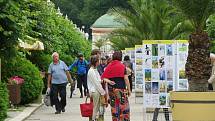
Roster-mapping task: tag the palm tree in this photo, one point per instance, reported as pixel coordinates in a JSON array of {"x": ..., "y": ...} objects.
[
  {"x": 100, "y": 43},
  {"x": 148, "y": 19},
  {"x": 198, "y": 67}
]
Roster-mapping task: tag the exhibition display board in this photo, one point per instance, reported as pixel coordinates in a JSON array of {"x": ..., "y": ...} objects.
[{"x": 163, "y": 70}]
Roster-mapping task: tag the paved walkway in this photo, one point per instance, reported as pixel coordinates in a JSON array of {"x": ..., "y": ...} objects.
[{"x": 72, "y": 113}]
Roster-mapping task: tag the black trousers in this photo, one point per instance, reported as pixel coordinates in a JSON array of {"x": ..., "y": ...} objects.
[
  {"x": 56, "y": 91},
  {"x": 166, "y": 113},
  {"x": 82, "y": 80}
]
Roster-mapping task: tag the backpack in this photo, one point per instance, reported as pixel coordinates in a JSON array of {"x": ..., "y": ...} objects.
[
  {"x": 85, "y": 64},
  {"x": 78, "y": 62}
]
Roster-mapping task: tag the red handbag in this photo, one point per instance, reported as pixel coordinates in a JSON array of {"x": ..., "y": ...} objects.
[{"x": 86, "y": 109}]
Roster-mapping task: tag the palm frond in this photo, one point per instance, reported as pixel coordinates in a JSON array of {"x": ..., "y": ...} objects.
[
  {"x": 100, "y": 43},
  {"x": 197, "y": 11},
  {"x": 148, "y": 20}
]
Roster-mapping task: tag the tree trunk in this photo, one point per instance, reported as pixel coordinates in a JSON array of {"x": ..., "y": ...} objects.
[{"x": 198, "y": 66}]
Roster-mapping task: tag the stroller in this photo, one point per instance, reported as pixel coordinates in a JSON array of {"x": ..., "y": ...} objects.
[{"x": 72, "y": 85}]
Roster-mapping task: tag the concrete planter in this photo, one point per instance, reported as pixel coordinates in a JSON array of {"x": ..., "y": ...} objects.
[{"x": 193, "y": 106}]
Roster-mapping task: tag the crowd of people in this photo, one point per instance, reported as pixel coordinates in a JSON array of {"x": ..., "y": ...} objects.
[{"x": 106, "y": 80}]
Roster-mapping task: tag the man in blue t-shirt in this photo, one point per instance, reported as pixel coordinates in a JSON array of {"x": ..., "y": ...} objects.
[
  {"x": 82, "y": 67},
  {"x": 57, "y": 80}
]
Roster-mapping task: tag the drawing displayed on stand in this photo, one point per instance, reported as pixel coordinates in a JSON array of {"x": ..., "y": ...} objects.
[
  {"x": 147, "y": 50},
  {"x": 161, "y": 51},
  {"x": 161, "y": 62},
  {"x": 139, "y": 80},
  {"x": 154, "y": 49},
  {"x": 154, "y": 62},
  {"x": 169, "y": 62},
  {"x": 169, "y": 86},
  {"x": 155, "y": 75},
  {"x": 147, "y": 62},
  {"x": 139, "y": 50},
  {"x": 148, "y": 74},
  {"x": 162, "y": 74},
  {"x": 183, "y": 84},
  {"x": 162, "y": 99},
  {"x": 162, "y": 86},
  {"x": 155, "y": 88},
  {"x": 169, "y": 74},
  {"x": 148, "y": 88},
  {"x": 139, "y": 62},
  {"x": 182, "y": 74},
  {"x": 169, "y": 50}
]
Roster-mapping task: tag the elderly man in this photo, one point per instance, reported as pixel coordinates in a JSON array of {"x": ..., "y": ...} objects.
[{"x": 57, "y": 80}]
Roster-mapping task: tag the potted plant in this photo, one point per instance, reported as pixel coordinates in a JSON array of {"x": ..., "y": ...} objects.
[
  {"x": 197, "y": 102},
  {"x": 14, "y": 89}
]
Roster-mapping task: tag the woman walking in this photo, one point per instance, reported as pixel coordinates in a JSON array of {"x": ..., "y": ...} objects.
[
  {"x": 118, "y": 88},
  {"x": 94, "y": 85}
]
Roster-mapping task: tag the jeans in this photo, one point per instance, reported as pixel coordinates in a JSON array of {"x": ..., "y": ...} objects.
[{"x": 59, "y": 90}]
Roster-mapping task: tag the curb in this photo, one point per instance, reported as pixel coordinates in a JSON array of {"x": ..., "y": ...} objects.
[{"x": 27, "y": 112}]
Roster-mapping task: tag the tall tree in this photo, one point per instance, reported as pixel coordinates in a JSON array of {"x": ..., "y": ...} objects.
[
  {"x": 100, "y": 43},
  {"x": 198, "y": 67},
  {"x": 86, "y": 12},
  {"x": 93, "y": 9},
  {"x": 10, "y": 25},
  {"x": 72, "y": 8}
]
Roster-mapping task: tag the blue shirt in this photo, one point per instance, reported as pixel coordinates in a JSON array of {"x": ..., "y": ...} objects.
[
  {"x": 82, "y": 66},
  {"x": 58, "y": 72}
]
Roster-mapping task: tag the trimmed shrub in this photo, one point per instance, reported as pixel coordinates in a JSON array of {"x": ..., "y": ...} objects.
[
  {"x": 40, "y": 59},
  {"x": 67, "y": 59},
  {"x": 33, "y": 84},
  {"x": 3, "y": 101}
]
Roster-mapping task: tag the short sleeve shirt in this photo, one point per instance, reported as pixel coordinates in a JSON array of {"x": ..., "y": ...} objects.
[{"x": 58, "y": 72}]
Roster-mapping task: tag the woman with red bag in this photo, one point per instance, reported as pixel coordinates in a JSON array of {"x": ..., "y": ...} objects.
[
  {"x": 94, "y": 85},
  {"x": 118, "y": 88}
]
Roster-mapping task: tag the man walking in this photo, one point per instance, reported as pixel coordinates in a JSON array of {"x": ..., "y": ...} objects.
[
  {"x": 82, "y": 66},
  {"x": 58, "y": 77}
]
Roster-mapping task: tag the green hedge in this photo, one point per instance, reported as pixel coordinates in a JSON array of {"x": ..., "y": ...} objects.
[
  {"x": 40, "y": 59},
  {"x": 3, "y": 101},
  {"x": 33, "y": 84}
]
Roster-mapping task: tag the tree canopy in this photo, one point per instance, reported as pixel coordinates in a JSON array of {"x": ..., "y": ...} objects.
[
  {"x": 148, "y": 20},
  {"x": 86, "y": 12}
]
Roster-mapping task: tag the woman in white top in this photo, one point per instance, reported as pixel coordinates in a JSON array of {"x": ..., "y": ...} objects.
[{"x": 94, "y": 85}]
